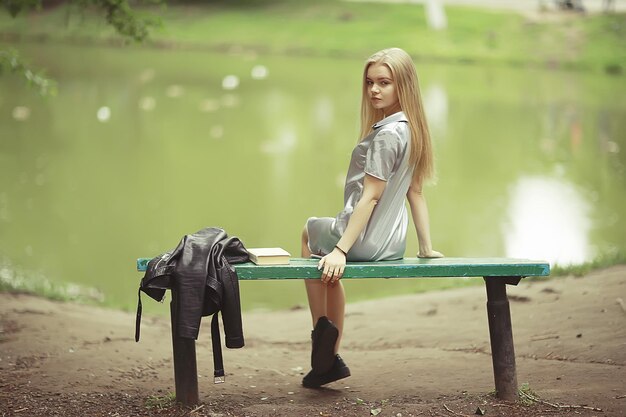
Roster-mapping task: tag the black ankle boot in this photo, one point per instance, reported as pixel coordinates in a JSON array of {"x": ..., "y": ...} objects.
[
  {"x": 323, "y": 339},
  {"x": 338, "y": 371}
]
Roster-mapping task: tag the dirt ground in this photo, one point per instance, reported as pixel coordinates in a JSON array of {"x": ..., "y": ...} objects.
[{"x": 415, "y": 355}]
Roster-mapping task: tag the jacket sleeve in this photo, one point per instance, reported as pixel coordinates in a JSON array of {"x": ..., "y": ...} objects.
[
  {"x": 231, "y": 307},
  {"x": 232, "y": 252},
  {"x": 188, "y": 286}
]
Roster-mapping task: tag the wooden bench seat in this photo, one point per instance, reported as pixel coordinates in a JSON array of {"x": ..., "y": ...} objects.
[
  {"x": 299, "y": 268},
  {"x": 497, "y": 272}
]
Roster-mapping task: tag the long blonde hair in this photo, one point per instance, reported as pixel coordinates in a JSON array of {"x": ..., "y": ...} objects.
[{"x": 405, "y": 79}]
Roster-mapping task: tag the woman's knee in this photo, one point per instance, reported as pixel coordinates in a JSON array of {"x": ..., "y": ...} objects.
[
  {"x": 305, "y": 238},
  {"x": 305, "y": 251}
]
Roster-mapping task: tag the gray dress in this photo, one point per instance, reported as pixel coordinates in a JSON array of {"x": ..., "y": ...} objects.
[{"x": 384, "y": 154}]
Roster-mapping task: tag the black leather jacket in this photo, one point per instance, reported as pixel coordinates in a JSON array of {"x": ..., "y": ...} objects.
[{"x": 202, "y": 280}]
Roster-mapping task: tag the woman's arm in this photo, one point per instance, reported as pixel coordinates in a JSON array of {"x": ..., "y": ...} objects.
[
  {"x": 335, "y": 262},
  {"x": 419, "y": 213}
]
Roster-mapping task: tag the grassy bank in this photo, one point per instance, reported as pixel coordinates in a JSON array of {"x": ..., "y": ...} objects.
[
  {"x": 16, "y": 280},
  {"x": 600, "y": 262},
  {"x": 335, "y": 28}
]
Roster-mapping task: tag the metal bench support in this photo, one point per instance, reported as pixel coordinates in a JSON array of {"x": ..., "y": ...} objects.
[
  {"x": 501, "y": 335},
  {"x": 185, "y": 368}
]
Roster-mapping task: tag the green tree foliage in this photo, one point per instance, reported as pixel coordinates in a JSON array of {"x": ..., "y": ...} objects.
[
  {"x": 118, "y": 13},
  {"x": 14, "y": 7},
  {"x": 10, "y": 62}
]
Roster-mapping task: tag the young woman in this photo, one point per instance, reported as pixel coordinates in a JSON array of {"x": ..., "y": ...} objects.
[{"x": 391, "y": 161}]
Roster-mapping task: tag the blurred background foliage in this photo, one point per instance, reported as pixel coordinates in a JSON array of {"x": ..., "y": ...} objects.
[{"x": 567, "y": 40}]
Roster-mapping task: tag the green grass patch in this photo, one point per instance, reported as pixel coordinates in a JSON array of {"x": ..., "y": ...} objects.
[
  {"x": 14, "y": 280},
  {"x": 161, "y": 402},
  {"x": 527, "y": 396},
  {"x": 603, "y": 261}
]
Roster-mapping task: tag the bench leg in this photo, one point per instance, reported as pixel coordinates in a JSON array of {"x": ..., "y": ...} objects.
[
  {"x": 501, "y": 335},
  {"x": 185, "y": 369}
]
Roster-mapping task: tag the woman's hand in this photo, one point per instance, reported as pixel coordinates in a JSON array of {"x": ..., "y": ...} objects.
[
  {"x": 429, "y": 254},
  {"x": 332, "y": 266}
]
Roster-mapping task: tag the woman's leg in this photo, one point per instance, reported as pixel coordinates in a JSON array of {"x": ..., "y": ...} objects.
[
  {"x": 324, "y": 300},
  {"x": 336, "y": 307},
  {"x": 315, "y": 290}
]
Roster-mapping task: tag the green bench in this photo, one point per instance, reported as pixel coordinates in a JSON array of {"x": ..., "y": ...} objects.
[{"x": 497, "y": 273}]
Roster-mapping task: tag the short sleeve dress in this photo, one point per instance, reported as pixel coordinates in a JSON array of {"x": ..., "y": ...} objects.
[{"x": 384, "y": 154}]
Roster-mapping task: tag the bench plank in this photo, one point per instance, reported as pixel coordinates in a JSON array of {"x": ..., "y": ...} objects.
[{"x": 299, "y": 268}]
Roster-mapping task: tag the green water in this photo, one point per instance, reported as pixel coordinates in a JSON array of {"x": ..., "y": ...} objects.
[{"x": 530, "y": 163}]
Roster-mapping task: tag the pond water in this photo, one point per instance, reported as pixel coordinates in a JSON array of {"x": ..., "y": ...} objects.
[{"x": 142, "y": 146}]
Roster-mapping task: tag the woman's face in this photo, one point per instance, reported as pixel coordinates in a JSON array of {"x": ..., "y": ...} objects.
[{"x": 381, "y": 88}]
